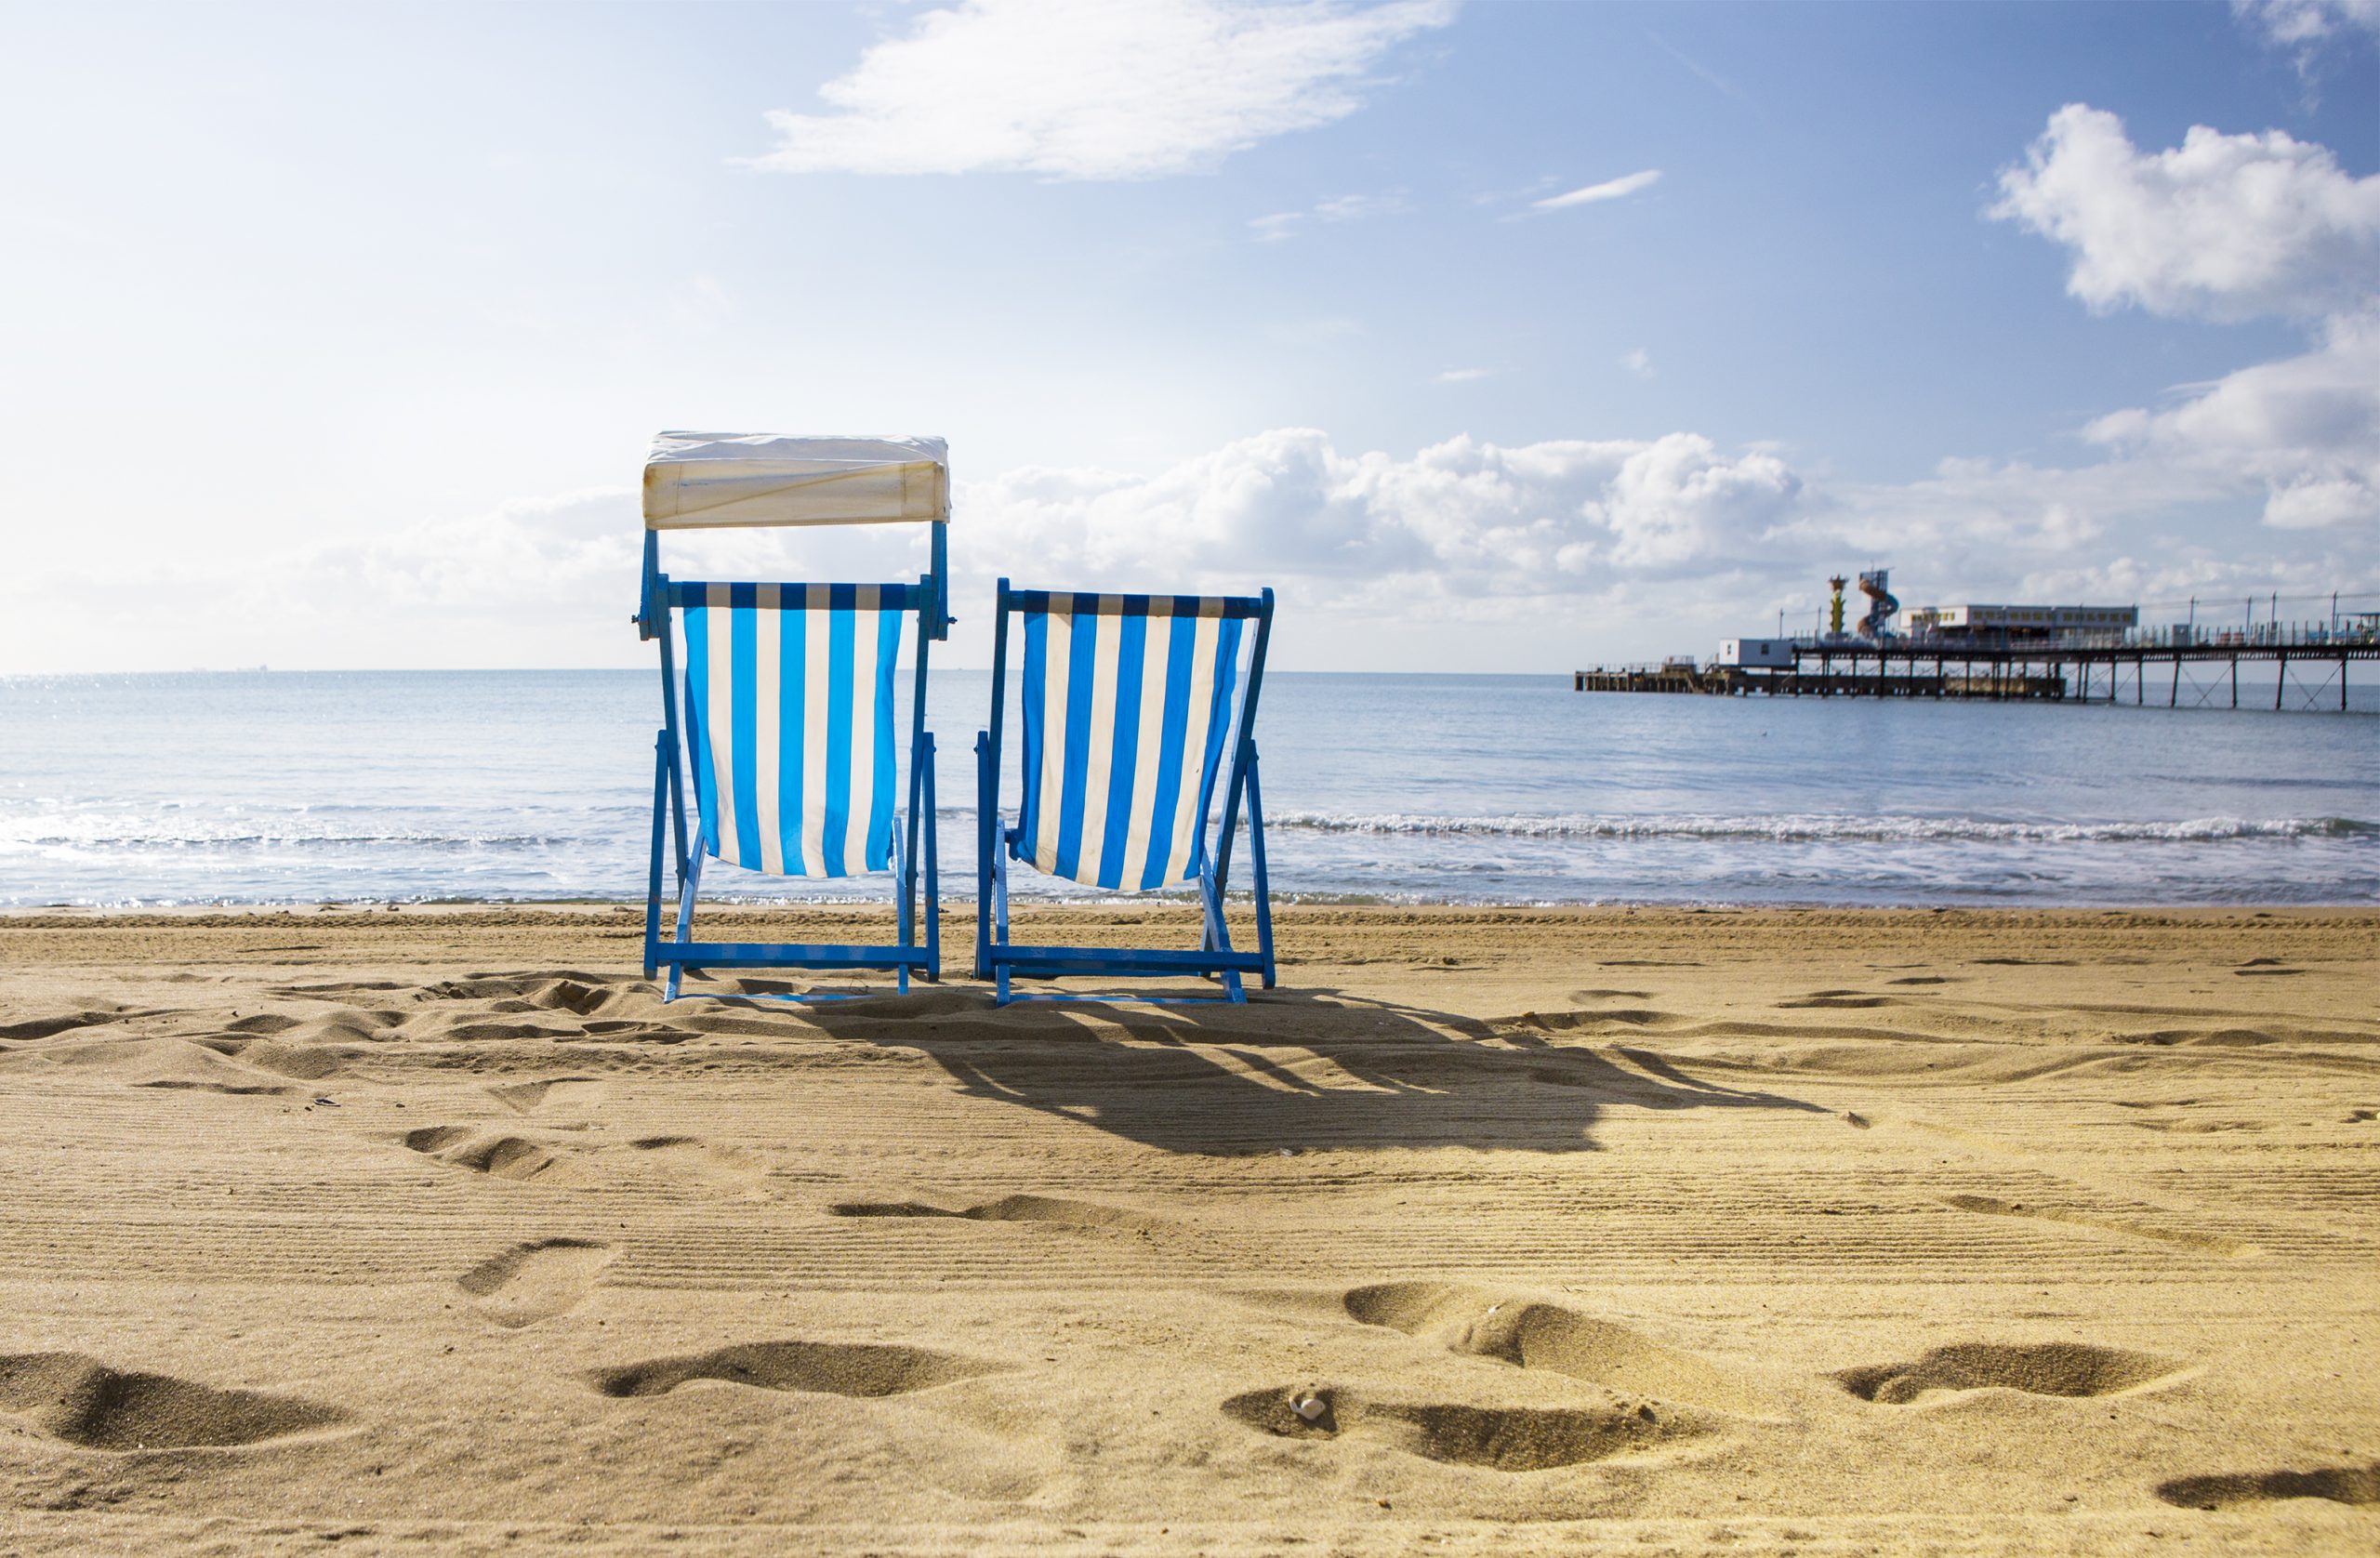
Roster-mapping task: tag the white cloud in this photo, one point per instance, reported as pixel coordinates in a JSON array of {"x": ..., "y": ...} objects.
[
  {"x": 1610, "y": 189},
  {"x": 2223, "y": 227},
  {"x": 2306, "y": 29},
  {"x": 2296, "y": 23},
  {"x": 2306, "y": 429},
  {"x": 1355, "y": 207},
  {"x": 1713, "y": 79},
  {"x": 2229, "y": 227},
  {"x": 1458, "y": 518},
  {"x": 1638, "y": 362},
  {"x": 1339, "y": 208},
  {"x": 1445, "y": 557},
  {"x": 1095, "y": 89},
  {"x": 1462, "y": 376}
]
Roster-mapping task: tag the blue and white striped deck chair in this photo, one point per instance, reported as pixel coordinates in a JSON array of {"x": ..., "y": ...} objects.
[
  {"x": 1137, "y": 715},
  {"x": 779, "y": 740}
]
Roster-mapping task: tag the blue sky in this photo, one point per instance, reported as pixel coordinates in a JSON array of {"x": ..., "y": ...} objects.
[{"x": 335, "y": 335}]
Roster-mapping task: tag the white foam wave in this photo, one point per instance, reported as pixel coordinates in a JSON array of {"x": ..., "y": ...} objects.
[{"x": 1803, "y": 828}]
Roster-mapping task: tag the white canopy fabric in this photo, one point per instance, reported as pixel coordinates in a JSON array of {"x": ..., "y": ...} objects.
[{"x": 698, "y": 480}]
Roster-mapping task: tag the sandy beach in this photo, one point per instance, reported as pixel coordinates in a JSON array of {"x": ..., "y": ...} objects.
[{"x": 1491, "y": 1231}]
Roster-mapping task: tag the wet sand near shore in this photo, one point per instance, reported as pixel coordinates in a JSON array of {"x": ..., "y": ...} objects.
[{"x": 1491, "y": 1231}]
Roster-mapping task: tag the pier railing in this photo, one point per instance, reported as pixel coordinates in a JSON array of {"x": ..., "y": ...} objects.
[
  {"x": 2262, "y": 635},
  {"x": 2306, "y": 661}
]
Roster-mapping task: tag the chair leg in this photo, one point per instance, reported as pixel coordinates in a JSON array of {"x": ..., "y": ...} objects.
[
  {"x": 904, "y": 883},
  {"x": 934, "y": 878},
  {"x": 997, "y": 941},
  {"x": 653, "y": 877},
  {"x": 1218, "y": 937},
  {"x": 685, "y": 930},
  {"x": 986, "y": 826},
  {"x": 1256, "y": 863}
]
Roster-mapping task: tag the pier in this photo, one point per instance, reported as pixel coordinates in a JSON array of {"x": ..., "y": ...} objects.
[{"x": 2294, "y": 667}]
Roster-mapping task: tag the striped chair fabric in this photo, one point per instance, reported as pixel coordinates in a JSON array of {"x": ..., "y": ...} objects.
[
  {"x": 789, "y": 719},
  {"x": 1126, "y": 702}
]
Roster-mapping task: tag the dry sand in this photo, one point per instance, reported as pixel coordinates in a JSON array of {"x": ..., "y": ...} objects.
[{"x": 1570, "y": 1232}]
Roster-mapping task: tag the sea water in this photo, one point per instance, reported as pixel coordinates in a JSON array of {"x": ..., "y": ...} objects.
[{"x": 281, "y": 786}]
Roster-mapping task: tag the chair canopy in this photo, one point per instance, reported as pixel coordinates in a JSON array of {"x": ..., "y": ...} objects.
[
  {"x": 1127, "y": 701},
  {"x": 789, "y": 718},
  {"x": 695, "y": 480}
]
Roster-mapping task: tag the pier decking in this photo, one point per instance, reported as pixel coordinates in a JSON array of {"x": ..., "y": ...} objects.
[{"x": 2301, "y": 667}]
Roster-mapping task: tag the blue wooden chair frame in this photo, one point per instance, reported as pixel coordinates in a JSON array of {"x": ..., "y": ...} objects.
[
  {"x": 680, "y": 954},
  {"x": 1002, "y": 961}
]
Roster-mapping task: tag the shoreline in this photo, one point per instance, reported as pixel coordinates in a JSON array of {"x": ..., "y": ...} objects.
[{"x": 963, "y": 908}]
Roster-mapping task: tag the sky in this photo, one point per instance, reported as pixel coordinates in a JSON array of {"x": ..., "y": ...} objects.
[{"x": 1493, "y": 336}]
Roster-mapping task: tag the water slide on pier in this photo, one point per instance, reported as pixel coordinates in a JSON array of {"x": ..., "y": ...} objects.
[{"x": 1881, "y": 606}]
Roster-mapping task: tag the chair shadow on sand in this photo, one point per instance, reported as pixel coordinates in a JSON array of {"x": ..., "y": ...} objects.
[{"x": 1309, "y": 1069}]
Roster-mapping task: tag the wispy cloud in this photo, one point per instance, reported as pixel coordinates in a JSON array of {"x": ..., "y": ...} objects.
[
  {"x": 1462, "y": 376},
  {"x": 2308, "y": 22},
  {"x": 1639, "y": 362},
  {"x": 1716, "y": 81},
  {"x": 1610, "y": 189},
  {"x": 1339, "y": 208},
  {"x": 2305, "y": 27},
  {"x": 1355, "y": 207},
  {"x": 1094, "y": 88}
]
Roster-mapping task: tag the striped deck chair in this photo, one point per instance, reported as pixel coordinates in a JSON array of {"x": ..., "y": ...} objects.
[
  {"x": 789, "y": 725},
  {"x": 776, "y": 749},
  {"x": 1133, "y": 707}
]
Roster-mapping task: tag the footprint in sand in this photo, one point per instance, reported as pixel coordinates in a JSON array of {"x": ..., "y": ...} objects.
[
  {"x": 1992, "y": 1206},
  {"x": 307, "y": 1062},
  {"x": 2341, "y": 1485},
  {"x": 1048, "y": 1210},
  {"x": 479, "y": 1028},
  {"x": 691, "y": 1157},
  {"x": 81, "y": 1401},
  {"x": 1500, "y": 1438},
  {"x": 45, "y": 1027},
  {"x": 854, "y": 1368},
  {"x": 1568, "y": 1021},
  {"x": 1536, "y": 1334},
  {"x": 559, "y": 990},
  {"x": 177, "y": 1064},
  {"x": 346, "y": 1025},
  {"x": 493, "y": 1154},
  {"x": 527, "y": 1098},
  {"x": 341, "y": 987},
  {"x": 2067, "y": 1369},
  {"x": 537, "y": 1280},
  {"x": 631, "y": 1032}
]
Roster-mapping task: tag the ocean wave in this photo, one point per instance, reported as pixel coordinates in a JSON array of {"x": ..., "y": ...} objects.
[
  {"x": 206, "y": 841},
  {"x": 1795, "y": 829}
]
